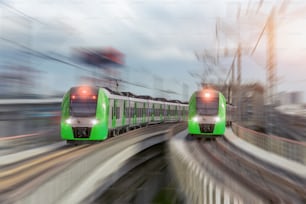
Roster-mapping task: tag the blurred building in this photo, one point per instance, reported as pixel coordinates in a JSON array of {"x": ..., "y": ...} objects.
[
  {"x": 249, "y": 100},
  {"x": 17, "y": 81},
  {"x": 285, "y": 98},
  {"x": 251, "y": 106}
]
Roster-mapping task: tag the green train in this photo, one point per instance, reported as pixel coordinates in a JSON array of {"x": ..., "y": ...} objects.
[
  {"x": 95, "y": 113},
  {"x": 207, "y": 113}
]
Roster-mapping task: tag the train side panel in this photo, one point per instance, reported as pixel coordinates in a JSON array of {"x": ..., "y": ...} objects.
[{"x": 99, "y": 131}]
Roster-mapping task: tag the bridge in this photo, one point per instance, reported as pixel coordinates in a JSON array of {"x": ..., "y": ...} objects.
[{"x": 154, "y": 164}]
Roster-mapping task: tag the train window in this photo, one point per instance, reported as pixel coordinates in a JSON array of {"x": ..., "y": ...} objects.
[
  {"x": 207, "y": 107},
  {"x": 117, "y": 112},
  {"x": 83, "y": 108}
]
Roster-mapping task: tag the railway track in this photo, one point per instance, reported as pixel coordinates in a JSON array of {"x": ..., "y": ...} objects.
[
  {"x": 20, "y": 178},
  {"x": 16, "y": 180},
  {"x": 142, "y": 182},
  {"x": 273, "y": 186},
  {"x": 19, "y": 143}
]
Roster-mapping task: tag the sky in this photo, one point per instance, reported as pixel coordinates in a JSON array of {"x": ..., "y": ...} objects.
[{"x": 159, "y": 39}]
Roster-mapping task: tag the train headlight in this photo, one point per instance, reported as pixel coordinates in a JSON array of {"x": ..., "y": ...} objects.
[
  {"x": 217, "y": 119},
  {"x": 69, "y": 121},
  {"x": 94, "y": 121},
  {"x": 195, "y": 119}
]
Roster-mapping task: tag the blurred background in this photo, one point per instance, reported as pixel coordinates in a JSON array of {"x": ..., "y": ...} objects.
[{"x": 251, "y": 50}]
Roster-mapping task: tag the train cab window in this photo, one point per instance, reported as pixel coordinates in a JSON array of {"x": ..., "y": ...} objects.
[
  {"x": 83, "y": 102},
  {"x": 82, "y": 108},
  {"x": 207, "y": 107}
]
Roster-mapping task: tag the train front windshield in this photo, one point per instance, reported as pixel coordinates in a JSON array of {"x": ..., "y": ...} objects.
[
  {"x": 83, "y": 108},
  {"x": 207, "y": 107},
  {"x": 83, "y": 102}
]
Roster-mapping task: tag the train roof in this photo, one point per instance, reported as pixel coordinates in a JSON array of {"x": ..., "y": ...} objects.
[
  {"x": 175, "y": 101},
  {"x": 144, "y": 97},
  {"x": 129, "y": 94},
  {"x": 161, "y": 99},
  {"x": 112, "y": 91}
]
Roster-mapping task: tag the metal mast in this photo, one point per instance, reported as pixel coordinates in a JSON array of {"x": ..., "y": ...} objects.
[{"x": 271, "y": 59}]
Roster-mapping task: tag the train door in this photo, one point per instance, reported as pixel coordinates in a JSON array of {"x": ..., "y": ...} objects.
[
  {"x": 116, "y": 113},
  {"x": 152, "y": 113},
  {"x": 119, "y": 112},
  {"x": 111, "y": 114},
  {"x": 137, "y": 113},
  {"x": 134, "y": 114},
  {"x": 144, "y": 112},
  {"x": 171, "y": 112},
  {"x": 162, "y": 112},
  {"x": 131, "y": 112},
  {"x": 175, "y": 113},
  {"x": 125, "y": 118},
  {"x": 168, "y": 112},
  {"x": 140, "y": 111}
]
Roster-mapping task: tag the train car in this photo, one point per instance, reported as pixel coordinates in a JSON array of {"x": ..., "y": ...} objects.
[
  {"x": 94, "y": 113},
  {"x": 207, "y": 113}
]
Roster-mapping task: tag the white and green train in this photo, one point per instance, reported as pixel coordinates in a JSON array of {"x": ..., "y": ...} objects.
[
  {"x": 94, "y": 113},
  {"x": 209, "y": 113}
]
